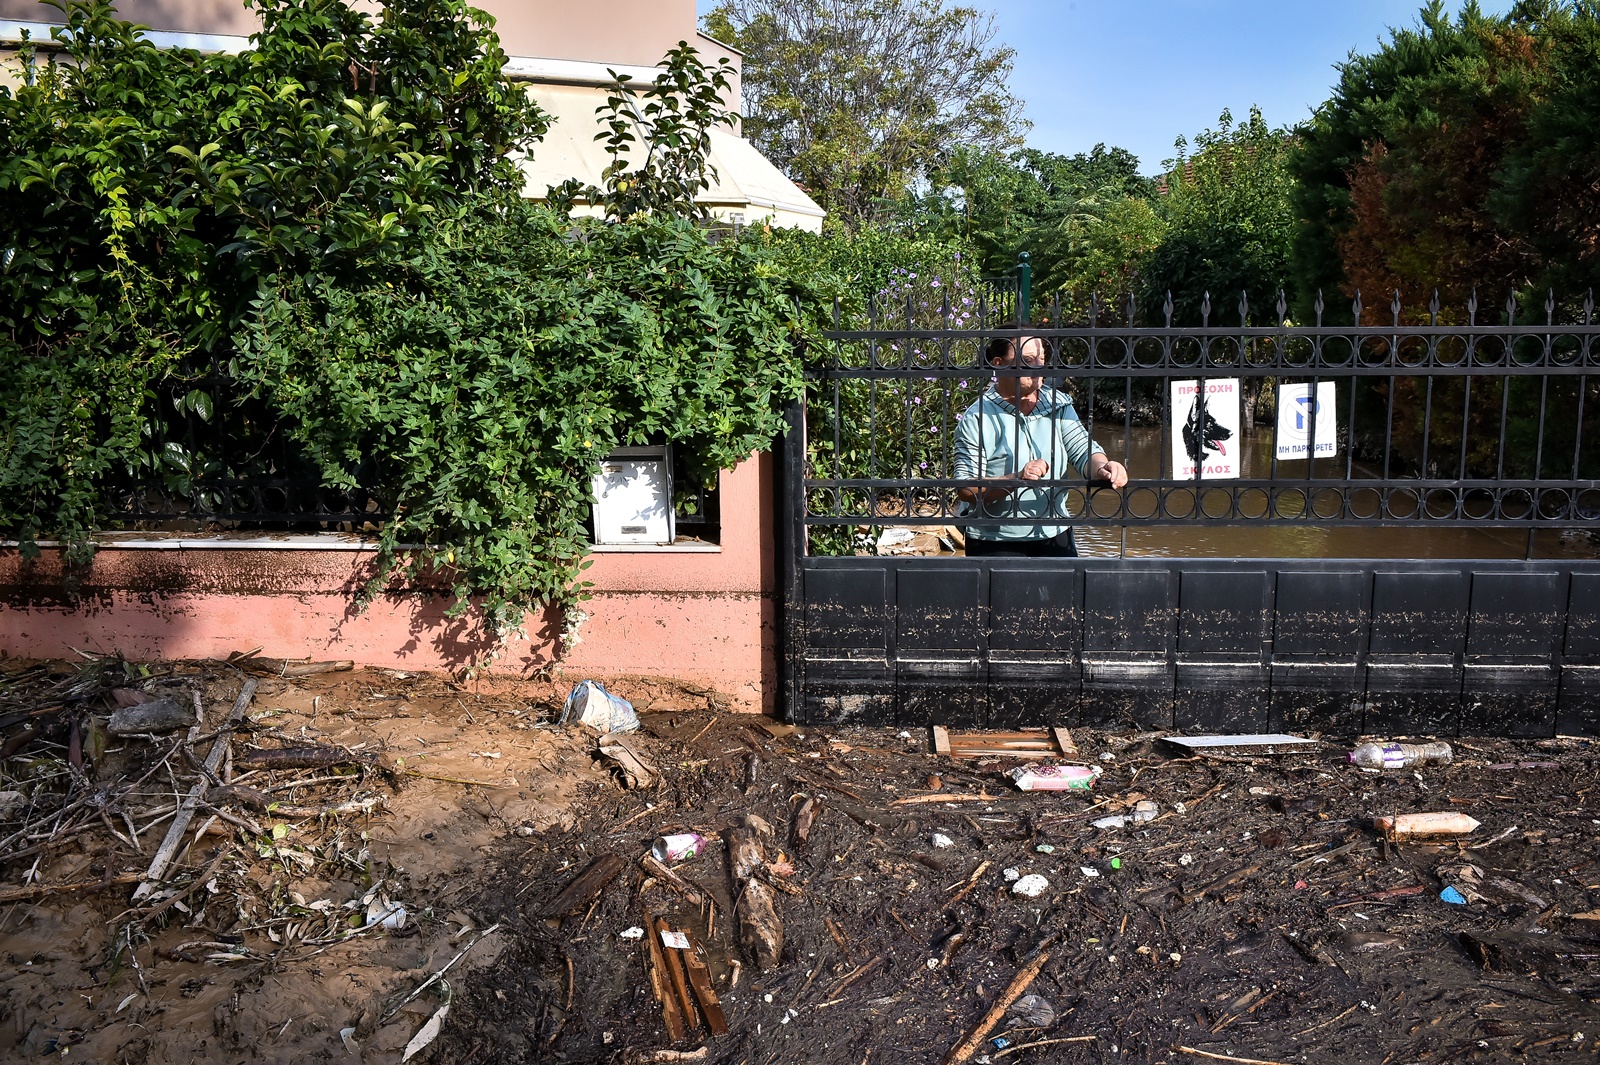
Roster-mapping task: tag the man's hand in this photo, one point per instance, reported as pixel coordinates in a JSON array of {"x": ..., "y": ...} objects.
[
  {"x": 1104, "y": 469},
  {"x": 1037, "y": 470}
]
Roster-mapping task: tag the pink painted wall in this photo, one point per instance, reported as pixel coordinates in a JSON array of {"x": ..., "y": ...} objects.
[{"x": 709, "y": 619}]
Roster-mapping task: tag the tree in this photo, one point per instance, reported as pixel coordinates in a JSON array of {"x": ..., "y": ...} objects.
[
  {"x": 1461, "y": 153},
  {"x": 1002, "y": 204},
  {"x": 856, "y": 100},
  {"x": 1229, "y": 221}
]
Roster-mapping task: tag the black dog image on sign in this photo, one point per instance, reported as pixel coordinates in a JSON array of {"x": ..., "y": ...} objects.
[{"x": 1204, "y": 440}]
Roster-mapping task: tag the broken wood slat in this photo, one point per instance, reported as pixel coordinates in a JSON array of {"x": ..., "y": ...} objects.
[
  {"x": 671, "y": 1012},
  {"x": 676, "y": 974},
  {"x": 963, "y": 1051},
  {"x": 180, "y": 823},
  {"x": 700, "y": 980},
  {"x": 1034, "y": 743},
  {"x": 677, "y": 883},
  {"x": 583, "y": 888},
  {"x": 283, "y": 667},
  {"x": 39, "y": 891}
]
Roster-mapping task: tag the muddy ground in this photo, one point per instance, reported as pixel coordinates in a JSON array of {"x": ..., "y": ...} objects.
[{"x": 1257, "y": 916}]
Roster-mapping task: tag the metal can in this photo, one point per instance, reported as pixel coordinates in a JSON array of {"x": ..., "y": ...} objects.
[{"x": 677, "y": 847}]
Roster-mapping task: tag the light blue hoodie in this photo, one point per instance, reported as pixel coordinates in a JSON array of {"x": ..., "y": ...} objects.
[{"x": 995, "y": 439}]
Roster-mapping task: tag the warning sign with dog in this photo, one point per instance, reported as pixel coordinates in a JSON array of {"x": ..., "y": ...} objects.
[{"x": 1205, "y": 429}]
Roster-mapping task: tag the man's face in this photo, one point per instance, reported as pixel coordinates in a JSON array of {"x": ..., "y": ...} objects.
[{"x": 1033, "y": 354}]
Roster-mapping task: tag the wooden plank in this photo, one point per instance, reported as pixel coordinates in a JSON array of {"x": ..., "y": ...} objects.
[
  {"x": 700, "y": 980},
  {"x": 582, "y": 889},
  {"x": 675, "y": 972},
  {"x": 671, "y": 1012},
  {"x": 973, "y": 743},
  {"x": 1033, "y": 743}
]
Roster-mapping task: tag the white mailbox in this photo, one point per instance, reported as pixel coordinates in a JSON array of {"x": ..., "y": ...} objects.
[{"x": 633, "y": 497}]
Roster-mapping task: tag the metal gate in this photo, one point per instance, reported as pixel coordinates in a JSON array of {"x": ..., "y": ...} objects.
[{"x": 1441, "y": 425}]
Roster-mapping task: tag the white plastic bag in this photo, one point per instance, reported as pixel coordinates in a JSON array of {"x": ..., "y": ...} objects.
[{"x": 590, "y": 704}]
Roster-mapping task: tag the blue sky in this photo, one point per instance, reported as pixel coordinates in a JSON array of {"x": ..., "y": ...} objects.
[{"x": 1137, "y": 73}]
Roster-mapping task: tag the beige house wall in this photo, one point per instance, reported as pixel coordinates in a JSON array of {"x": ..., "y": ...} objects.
[
  {"x": 186, "y": 16},
  {"x": 614, "y": 33}
]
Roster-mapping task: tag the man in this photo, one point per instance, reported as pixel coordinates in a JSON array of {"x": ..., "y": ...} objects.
[{"x": 1020, "y": 431}]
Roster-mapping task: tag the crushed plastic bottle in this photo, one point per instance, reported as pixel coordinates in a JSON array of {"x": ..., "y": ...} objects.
[{"x": 1400, "y": 755}]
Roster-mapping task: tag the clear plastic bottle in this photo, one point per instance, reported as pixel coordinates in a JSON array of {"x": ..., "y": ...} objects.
[{"x": 1400, "y": 755}]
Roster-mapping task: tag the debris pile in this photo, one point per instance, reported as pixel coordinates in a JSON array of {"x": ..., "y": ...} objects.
[{"x": 718, "y": 888}]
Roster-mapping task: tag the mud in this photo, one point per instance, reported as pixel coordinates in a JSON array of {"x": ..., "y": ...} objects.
[{"x": 1262, "y": 919}]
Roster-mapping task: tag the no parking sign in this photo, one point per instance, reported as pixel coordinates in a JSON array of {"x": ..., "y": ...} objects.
[{"x": 1302, "y": 419}]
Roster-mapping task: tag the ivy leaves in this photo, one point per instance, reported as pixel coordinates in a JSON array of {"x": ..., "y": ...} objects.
[{"x": 320, "y": 240}]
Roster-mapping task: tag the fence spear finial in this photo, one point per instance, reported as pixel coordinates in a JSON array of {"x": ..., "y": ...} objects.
[
  {"x": 1167, "y": 308},
  {"x": 1511, "y": 308},
  {"x": 1355, "y": 307},
  {"x": 1283, "y": 307},
  {"x": 1319, "y": 307},
  {"x": 1550, "y": 307},
  {"x": 1433, "y": 308},
  {"x": 1244, "y": 308},
  {"x": 1205, "y": 309},
  {"x": 1472, "y": 306},
  {"x": 1588, "y": 308},
  {"x": 1394, "y": 306}
]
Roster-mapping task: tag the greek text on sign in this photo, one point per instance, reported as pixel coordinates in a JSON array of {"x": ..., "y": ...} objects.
[
  {"x": 1299, "y": 415},
  {"x": 1205, "y": 429}
]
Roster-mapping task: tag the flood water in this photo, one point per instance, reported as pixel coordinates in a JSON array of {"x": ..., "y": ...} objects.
[{"x": 1143, "y": 449}]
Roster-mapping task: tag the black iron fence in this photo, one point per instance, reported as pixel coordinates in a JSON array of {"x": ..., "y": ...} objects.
[{"x": 1428, "y": 418}]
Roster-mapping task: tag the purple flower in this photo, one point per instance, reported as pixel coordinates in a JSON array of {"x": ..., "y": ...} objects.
[
  {"x": 917, "y": 400},
  {"x": 933, "y": 428},
  {"x": 922, "y": 465},
  {"x": 913, "y": 277},
  {"x": 936, "y": 282},
  {"x": 962, "y": 383},
  {"x": 958, "y": 256}
]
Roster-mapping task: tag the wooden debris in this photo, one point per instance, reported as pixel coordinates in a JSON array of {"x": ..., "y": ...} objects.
[
  {"x": 671, "y": 1011},
  {"x": 913, "y": 800},
  {"x": 671, "y": 879},
  {"x": 760, "y": 930},
  {"x": 180, "y": 823},
  {"x": 964, "y": 1050},
  {"x": 864, "y": 969},
  {"x": 586, "y": 886},
  {"x": 1030, "y": 743},
  {"x": 1411, "y": 826},
  {"x": 804, "y": 819},
  {"x": 284, "y": 667},
  {"x": 666, "y": 1057},
  {"x": 700, "y": 981},
  {"x": 40, "y": 891},
  {"x": 677, "y": 976}
]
